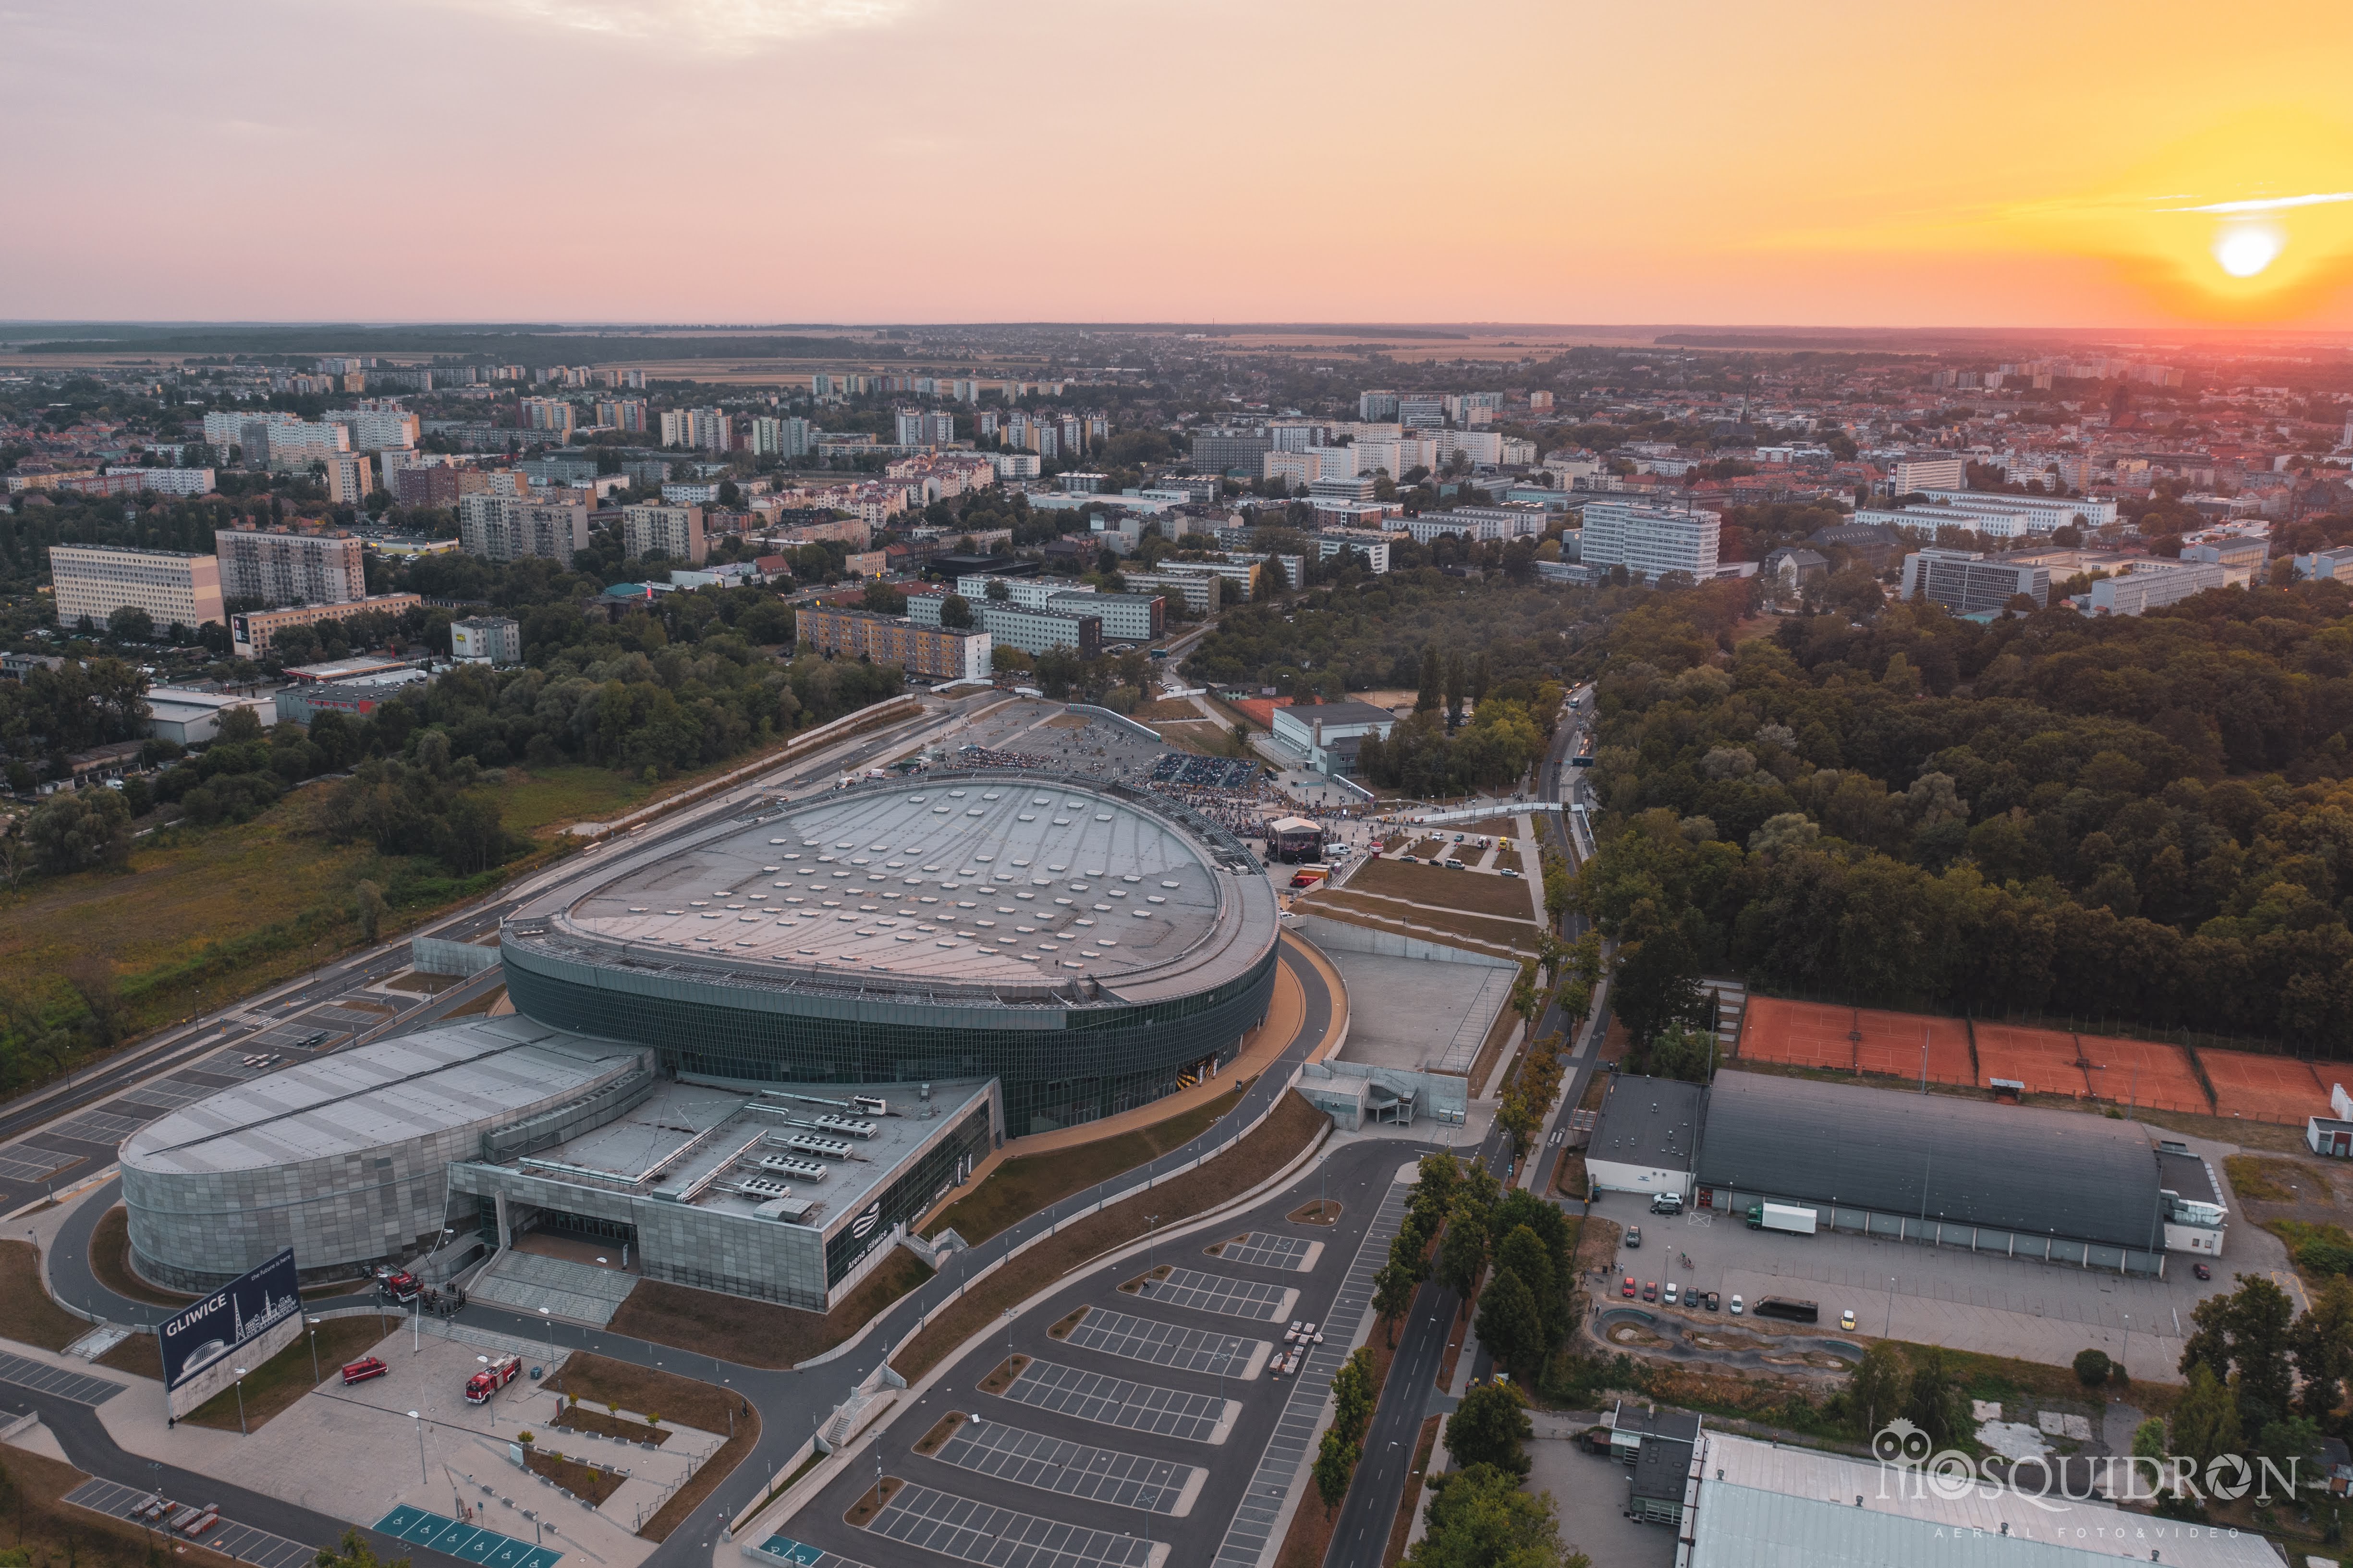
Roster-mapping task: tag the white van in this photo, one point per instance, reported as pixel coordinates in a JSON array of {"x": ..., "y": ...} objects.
[{"x": 1666, "y": 1203}]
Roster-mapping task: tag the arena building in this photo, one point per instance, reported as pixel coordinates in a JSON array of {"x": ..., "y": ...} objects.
[{"x": 1089, "y": 945}]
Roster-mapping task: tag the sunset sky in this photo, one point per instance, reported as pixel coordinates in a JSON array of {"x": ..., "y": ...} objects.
[{"x": 2087, "y": 163}]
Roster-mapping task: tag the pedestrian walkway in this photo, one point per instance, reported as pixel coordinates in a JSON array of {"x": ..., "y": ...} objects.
[{"x": 529, "y": 1281}]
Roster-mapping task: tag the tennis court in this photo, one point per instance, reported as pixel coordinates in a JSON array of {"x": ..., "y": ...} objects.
[
  {"x": 1802, "y": 1034},
  {"x": 2144, "y": 1072},
  {"x": 2264, "y": 1088},
  {"x": 2042, "y": 1060},
  {"x": 1898, "y": 1044}
]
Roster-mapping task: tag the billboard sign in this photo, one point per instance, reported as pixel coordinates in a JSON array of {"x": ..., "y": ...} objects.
[{"x": 231, "y": 1319}]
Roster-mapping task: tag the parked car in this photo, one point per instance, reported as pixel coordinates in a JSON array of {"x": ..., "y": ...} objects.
[
  {"x": 2200, "y": 1270},
  {"x": 1650, "y": 1289},
  {"x": 1628, "y": 1289},
  {"x": 1634, "y": 1235},
  {"x": 1714, "y": 1303},
  {"x": 1736, "y": 1306},
  {"x": 1672, "y": 1289},
  {"x": 1846, "y": 1319},
  {"x": 360, "y": 1371}
]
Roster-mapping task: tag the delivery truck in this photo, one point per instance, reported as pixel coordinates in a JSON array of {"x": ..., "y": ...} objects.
[{"x": 1782, "y": 1217}]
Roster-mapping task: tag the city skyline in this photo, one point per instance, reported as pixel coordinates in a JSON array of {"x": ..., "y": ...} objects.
[{"x": 911, "y": 161}]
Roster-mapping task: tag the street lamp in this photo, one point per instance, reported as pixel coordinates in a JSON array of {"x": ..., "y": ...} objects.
[
  {"x": 1151, "y": 1242},
  {"x": 548, "y": 1323},
  {"x": 315, "y": 1349},
  {"x": 1889, "y": 1329},
  {"x": 240, "y": 1403},
  {"x": 421, "y": 1474}
]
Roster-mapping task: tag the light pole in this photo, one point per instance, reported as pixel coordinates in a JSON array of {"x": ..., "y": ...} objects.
[
  {"x": 314, "y": 1350},
  {"x": 1151, "y": 1242},
  {"x": 240, "y": 1403},
  {"x": 421, "y": 1474},
  {"x": 548, "y": 1324},
  {"x": 1888, "y": 1330}
]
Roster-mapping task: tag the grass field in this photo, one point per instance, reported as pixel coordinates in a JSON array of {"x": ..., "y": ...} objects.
[
  {"x": 1020, "y": 1188},
  {"x": 26, "y": 1310},
  {"x": 1506, "y": 898},
  {"x": 1430, "y": 925},
  {"x": 761, "y": 1333},
  {"x": 541, "y": 800},
  {"x": 46, "y": 1529},
  {"x": 109, "y": 1259},
  {"x": 705, "y": 1406}
]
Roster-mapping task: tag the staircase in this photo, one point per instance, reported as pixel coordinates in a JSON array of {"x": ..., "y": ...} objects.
[
  {"x": 527, "y": 1281},
  {"x": 1731, "y": 1003}
]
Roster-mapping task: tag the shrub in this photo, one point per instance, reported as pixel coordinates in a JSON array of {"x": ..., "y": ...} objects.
[{"x": 2092, "y": 1367}]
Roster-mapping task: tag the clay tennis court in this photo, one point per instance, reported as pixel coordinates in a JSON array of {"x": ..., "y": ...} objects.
[
  {"x": 2264, "y": 1088},
  {"x": 2042, "y": 1060},
  {"x": 1801, "y": 1034},
  {"x": 2145, "y": 1072},
  {"x": 1817, "y": 1035},
  {"x": 1891, "y": 1044}
]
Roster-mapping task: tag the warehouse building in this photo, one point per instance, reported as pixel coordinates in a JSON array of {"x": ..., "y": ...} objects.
[
  {"x": 1645, "y": 1136},
  {"x": 2054, "y": 1186}
]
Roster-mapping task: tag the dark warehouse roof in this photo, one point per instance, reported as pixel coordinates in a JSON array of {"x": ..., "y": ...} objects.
[{"x": 2087, "y": 1178}]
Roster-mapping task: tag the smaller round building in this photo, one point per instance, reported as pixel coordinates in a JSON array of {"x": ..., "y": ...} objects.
[{"x": 347, "y": 1159}]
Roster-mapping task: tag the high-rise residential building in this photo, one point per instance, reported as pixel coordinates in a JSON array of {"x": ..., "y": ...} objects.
[
  {"x": 1926, "y": 471},
  {"x": 1650, "y": 540},
  {"x": 931, "y": 651},
  {"x": 550, "y": 414},
  {"x": 350, "y": 477},
  {"x": 786, "y": 437},
  {"x": 922, "y": 427},
  {"x": 715, "y": 430},
  {"x": 93, "y": 580},
  {"x": 1229, "y": 452},
  {"x": 1971, "y": 584},
  {"x": 677, "y": 427},
  {"x": 623, "y": 413},
  {"x": 430, "y": 485},
  {"x": 1036, "y": 631},
  {"x": 277, "y": 568},
  {"x": 376, "y": 425},
  {"x": 1421, "y": 412},
  {"x": 292, "y": 445},
  {"x": 1378, "y": 405},
  {"x": 513, "y": 527},
  {"x": 675, "y": 531},
  {"x": 226, "y": 428}
]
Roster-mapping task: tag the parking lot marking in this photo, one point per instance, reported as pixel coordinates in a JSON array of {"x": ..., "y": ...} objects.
[
  {"x": 25, "y": 1163},
  {"x": 104, "y": 1127},
  {"x": 1164, "y": 1344},
  {"x": 1074, "y": 1469},
  {"x": 801, "y": 1554},
  {"x": 1115, "y": 1402},
  {"x": 43, "y": 1378},
  {"x": 1260, "y": 1250},
  {"x": 1219, "y": 1293},
  {"x": 242, "y": 1541},
  {"x": 1248, "y": 1538},
  {"x": 982, "y": 1532},
  {"x": 440, "y": 1532}
]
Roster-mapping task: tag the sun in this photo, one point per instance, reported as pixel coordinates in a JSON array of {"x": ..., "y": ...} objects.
[{"x": 2243, "y": 250}]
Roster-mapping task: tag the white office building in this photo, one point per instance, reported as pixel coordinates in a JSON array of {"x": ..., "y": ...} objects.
[
  {"x": 1650, "y": 540},
  {"x": 96, "y": 580},
  {"x": 2150, "y": 583}
]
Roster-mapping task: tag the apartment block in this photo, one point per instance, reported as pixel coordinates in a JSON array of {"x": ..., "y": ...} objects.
[
  {"x": 350, "y": 477},
  {"x": 376, "y": 427},
  {"x": 93, "y": 580},
  {"x": 1650, "y": 540},
  {"x": 280, "y": 568},
  {"x": 1225, "y": 451},
  {"x": 675, "y": 531},
  {"x": 1128, "y": 617},
  {"x": 1199, "y": 592},
  {"x": 2154, "y": 582},
  {"x": 1965, "y": 583},
  {"x": 486, "y": 640},
  {"x": 510, "y": 528},
  {"x": 549, "y": 413},
  {"x": 252, "y": 633},
  {"x": 1036, "y": 631},
  {"x": 287, "y": 447},
  {"x": 936, "y": 653},
  {"x": 435, "y": 485}
]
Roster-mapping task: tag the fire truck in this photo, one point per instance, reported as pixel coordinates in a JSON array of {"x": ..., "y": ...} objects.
[{"x": 500, "y": 1371}]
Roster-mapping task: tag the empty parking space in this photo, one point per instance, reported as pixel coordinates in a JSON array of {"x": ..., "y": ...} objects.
[
  {"x": 241, "y": 1541},
  {"x": 1116, "y": 1402},
  {"x": 25, "y": 1163},
  {"x": 1074, "y": 1469},
  {"x": 1231, "y": 1297},
  {"x": 43, "y": 1378},
  {"x": 104, "y": 1127},
  {"x": 1260, "y": 1250},
  {"x": 784, "y": 1549},
  {"x": 1164, "y": 1344},
  {"x": 470, "y": 1542},
  {"x": 983, "y": 1533}
]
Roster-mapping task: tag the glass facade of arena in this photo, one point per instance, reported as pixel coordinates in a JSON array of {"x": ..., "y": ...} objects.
[{"x": 1059, "y": 1065}]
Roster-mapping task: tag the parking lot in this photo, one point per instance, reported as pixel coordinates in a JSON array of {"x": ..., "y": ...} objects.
[
  {"x": 1928, "y": 1295},
  {"x": 1137, "y": 1434}
]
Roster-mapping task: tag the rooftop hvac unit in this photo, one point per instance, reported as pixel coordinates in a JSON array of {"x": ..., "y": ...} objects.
[
  {"x": 791, "y": 1210},
  {"x": 802, "y": 1169},
  {"x": 847, "y": 1126},
  {"x": 872, "y": 1104},
  {"x": 832, "y": 1148},
  {"x": 762, "y": 1187}
]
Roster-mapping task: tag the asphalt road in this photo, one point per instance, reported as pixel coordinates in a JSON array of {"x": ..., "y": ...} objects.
[{"x": 790, "y": 1403}]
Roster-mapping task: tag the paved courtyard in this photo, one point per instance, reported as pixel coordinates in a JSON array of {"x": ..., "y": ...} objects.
[
  {"x": 1929, "y": 1295},
  {"x": 1417, "y": 1015},
  {"x": 1589, "y": 1491}
]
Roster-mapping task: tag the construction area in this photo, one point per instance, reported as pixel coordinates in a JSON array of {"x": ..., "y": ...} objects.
[{"x": 2155, "y": 1074}]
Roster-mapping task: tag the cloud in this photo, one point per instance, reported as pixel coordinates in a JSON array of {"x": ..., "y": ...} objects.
[
  {"x": 706, "y": 27},
  {"x": 2273, "y": 204}
]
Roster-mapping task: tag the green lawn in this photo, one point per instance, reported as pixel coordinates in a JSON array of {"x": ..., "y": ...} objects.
[
  {"x": 538, "y": 798},
  {"x": 1020, "y": 1188}
]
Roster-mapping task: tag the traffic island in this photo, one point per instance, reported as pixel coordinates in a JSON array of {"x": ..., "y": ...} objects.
[
  {"x": 876, "y": 1498},
  {"x": 1008, "y": 1370},
  {"x": 931, "y": 1442}
]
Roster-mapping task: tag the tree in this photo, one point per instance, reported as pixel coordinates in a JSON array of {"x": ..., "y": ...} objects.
[
  {"x": 2243, "y": 1340},
  {"x": 955, "y": 612},
  {"x": 1878, "y": 1386},
  {"x": 1657, "y": 969},
  {"x": 2206, "y": 1421},
  {"x": 1489, "y": 1427},
  {"x": 2322, "y": 1344},
  {"x": 131, "y": 623},
  {"x": 1426, "y": 700},
  {"x": 1934, "y": 1401},
  {"x": 2092, "y": 1367},
  {"x": 997, "y": 590},
  {"x": 882, "y": 599},
  {"x": 367, "y": 904},
  {"x": 2149, "y": 1439},
  {"x": 1509, "y": 1324},
  {"x": 77, "y": 830},
  {"x": 1479, "y": 1517},
  {"x": 356, "y": 1552},
  {"x": 1336, "y": 1462},
  {"x": 1393, "y": 1290},
  {"x": 1462, "y": 1252},
  {"x": 1352, "y": 1394},
  {"x": 1524, "y": 1253}
]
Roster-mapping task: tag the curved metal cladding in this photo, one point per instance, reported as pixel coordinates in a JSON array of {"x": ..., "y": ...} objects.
[
  {"x": 1090, "y": 945},
  {"x": 1058, "y": 1065}
]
